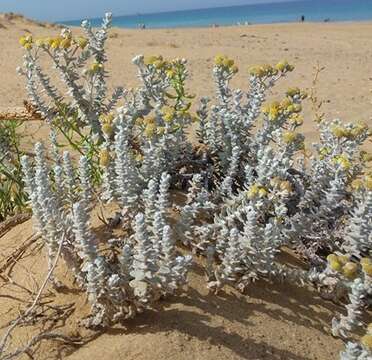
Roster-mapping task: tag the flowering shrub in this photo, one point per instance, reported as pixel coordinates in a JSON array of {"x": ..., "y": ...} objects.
[{"x": 251, "y": 186}]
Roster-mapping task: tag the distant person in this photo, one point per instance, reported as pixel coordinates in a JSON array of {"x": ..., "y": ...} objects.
[{"x": 302, "y": 18}]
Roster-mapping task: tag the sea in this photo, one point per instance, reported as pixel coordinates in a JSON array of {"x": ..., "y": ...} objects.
[{"x": 262, "y": 13}]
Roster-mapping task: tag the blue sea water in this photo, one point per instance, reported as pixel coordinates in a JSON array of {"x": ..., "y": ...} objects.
[{"x": 313, "y": 10}]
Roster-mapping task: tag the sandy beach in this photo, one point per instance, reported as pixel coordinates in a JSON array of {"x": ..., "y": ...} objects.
[
  {"x": 273, "y": 321},
  {"x": 343, "y": 49}
]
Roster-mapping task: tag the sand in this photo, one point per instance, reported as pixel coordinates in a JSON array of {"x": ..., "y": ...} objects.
[
  {"x": 343, "y": 49},
  {"x": 271, "y": 321}
]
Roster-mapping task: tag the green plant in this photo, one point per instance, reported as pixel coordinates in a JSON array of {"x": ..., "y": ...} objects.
[{"x": 12, "y": 195}]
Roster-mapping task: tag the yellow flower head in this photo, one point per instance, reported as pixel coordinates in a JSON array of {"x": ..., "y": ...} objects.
[
  {"x": 368, "y": 182},
  {"x": 285, "y": 103},
  {"x": 296, "y": 119},
  {"x": 56, "y": 43},
  {"x": 107, "y": 118},
  {"x": 228, "y": 63},
  {"x": 150, "y": 130},
  {"x": 294, "y": 108},
  {"x": 81, "y": 41},
  {"x": 262, "y": 192},
  {"x": 332, "y": 257},
  {"x": 107, "y": 129},
  {"x": 367, "y": 268},
  {"x": 291, "y": 92},
  {"x": 366, "y": 341},
  {"x": 335, "y": 265},
  {"x": 26, "y": 41},
  {"x": 152, "y": 59},
  {"x": 339, "y": 132},
  {"x": 365, "y": 261},
  {"x": 343, "y": 259},
  {"x": 28, "y": 46},
  {"x": 219, "y": 60},
  {"x": 285, "y": 186},
  {"x": 257, "y": 71},
  {"x": 139, "y": 157},
  {"x": 170, "y": 73},
  {"x": 342, "y": 161},
  {"x": 257, "y": 190},
  {"x": 41, "y": 42},
  {"x": 149, "y": 120},
  {"x": 323, "y": 152},
  {"x": 159, "y": 64},
  {"x": 269, "y": 70},
  {"x": 358, "y": 129},
  {"x": 96, "y": 67},
  {"x": 65, "y": 43},
  {"x": 168, "y": 113},
  {"x": 272, "y": 110},
  {"x": 160, "y": 130},
  {"x": 253, "y": 191},
  {"x": 283, "y": 66},
  {"x": 104, "y": 157},
  {"x": 289, "y": 137},
  {"x": 350, "y": 270}
]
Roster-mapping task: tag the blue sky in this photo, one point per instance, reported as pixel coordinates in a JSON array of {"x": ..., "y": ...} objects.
[{"x": 54, "y": 10}]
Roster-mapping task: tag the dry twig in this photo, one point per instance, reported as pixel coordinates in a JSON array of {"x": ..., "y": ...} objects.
[
  {"x": 9, "y": 331},
  {"x": 15, "y": 220}
]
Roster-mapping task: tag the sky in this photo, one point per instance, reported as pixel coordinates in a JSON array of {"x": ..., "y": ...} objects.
[{"x": 54, "y": 10}]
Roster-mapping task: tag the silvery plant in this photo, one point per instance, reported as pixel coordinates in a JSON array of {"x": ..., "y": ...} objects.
[
  {"x": 143, "y": 267},
  {"x": 80, "y": 63},
  {"x": 250, "y": 186}
]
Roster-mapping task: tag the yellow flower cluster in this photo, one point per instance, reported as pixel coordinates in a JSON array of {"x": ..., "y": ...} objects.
[
  {"x": 343, "y": 161},
  {"x": 323, "y": 152},
  {"x": 366, "y": 266},
  {"x": 296, "y": 119},
  {"x": 157, "y": 61},
  {"x": 268, "y": 70},
  {"x": 349, "y": 133},
  {"x": 292, "y": 92},
  {"x": 170, "y": 68},
  {"x": 106, "y": 121},
  {"x": 291, "y": 137},
  {"x": 150, "y": 128},
  {"x": 26, "y": 41},
  {"x": 169, "y": 113},
  {"x": 368, "y": 182},
  {"x": 341, "y": 264},
  {"x": 57, "y": 42},
  {"x": 257, "y": 190},
  {"x": 275, "y": 109},
  {"x": 226, "y": 63},
  {"x": 284, "y": 66},
  {"x": 104, "y": 157},
  {"x": 96, "y": 67},
  {"x": 280, "y": 184}
]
